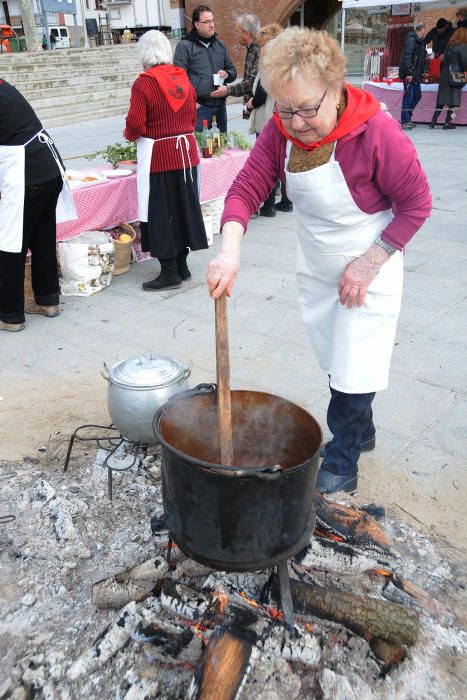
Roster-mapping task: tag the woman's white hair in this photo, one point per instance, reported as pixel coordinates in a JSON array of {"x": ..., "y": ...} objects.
[{"x": 154, "y": 49}]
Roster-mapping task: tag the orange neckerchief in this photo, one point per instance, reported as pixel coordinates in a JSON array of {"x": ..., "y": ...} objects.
[
  {"x": 360, "y": 107},
  {"x": 174, "y": 83}
]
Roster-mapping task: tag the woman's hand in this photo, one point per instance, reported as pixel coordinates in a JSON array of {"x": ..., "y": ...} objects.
[
  {"x": 223, "y": 269},
  {"x": 249, "y": 104},
  {"x": 359, "y": 274},
  {"x": 223, "y": 74}
]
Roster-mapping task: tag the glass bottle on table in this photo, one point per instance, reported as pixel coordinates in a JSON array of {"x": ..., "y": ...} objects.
[
  {"x": 206, "y": 141},
  {"x": 215, "y": 135}
]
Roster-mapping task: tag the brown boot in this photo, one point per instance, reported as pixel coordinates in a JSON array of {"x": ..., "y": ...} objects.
[
  {"x": 13, "y": 327},
  {"x": 32, "y": 308}
]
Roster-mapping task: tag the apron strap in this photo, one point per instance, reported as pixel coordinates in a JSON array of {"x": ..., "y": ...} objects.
[{"x": 181, "y": 138}]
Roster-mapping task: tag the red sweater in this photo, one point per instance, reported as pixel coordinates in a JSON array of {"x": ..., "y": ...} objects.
[{"x": 150, "y": 115}]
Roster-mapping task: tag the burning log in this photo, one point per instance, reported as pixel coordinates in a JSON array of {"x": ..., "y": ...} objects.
[
  {"x": 369, "y": 617},
  {"x": 222, "y": 668},
  {"x": 354, "y": 525},
  {"x": 184, "y": 601},
  {"x": 133, "y": 584},
  {"x": 408, "y": 589}
]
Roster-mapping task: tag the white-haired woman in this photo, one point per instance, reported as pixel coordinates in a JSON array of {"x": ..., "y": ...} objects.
[
  {"x": 161, "y": 120},
  {"x": 360, "y": 195}
]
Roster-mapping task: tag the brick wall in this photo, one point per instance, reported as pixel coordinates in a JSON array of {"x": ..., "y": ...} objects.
[
  {"x": 267, "y": 10},
  {"x": 430, "y": 17}
]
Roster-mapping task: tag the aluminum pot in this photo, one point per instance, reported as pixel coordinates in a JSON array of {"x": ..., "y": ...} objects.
[{"x": 138, "y": 387}]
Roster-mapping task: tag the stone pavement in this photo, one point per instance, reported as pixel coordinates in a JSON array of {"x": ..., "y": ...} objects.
[{"x": 50, "y": 379}]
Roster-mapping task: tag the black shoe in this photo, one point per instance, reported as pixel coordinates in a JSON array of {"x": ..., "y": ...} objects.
[
  {"x": 182, "y": 266},
  {"x": 327, "y": 482},
  {"x": 267, "y": 211},
  {"x": 168, "y": 279},
  {"x": 365, "y": 446},
  {"x": 449, "y": 126},
  {"x": 284, "y": 205}
]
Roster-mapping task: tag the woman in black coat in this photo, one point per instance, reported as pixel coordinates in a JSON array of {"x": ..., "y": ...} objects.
[{"x": 456, "y": 55}]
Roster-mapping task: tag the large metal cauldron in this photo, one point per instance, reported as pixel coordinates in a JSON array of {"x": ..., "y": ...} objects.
[{"x": 255, "y": 514}]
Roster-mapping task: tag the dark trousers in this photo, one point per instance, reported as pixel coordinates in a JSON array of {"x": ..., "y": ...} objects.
[
  {"x": 350, "y": 420},
  {"x": 411, "y": 97},
  {"x": 39, "y": 236},
  {"x": 208, "y": 112}
]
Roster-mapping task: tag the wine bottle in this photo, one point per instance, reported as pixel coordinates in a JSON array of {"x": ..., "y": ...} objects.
[
  {"x": 206, "y": 141},
  {"x": 215, "y": 135}
]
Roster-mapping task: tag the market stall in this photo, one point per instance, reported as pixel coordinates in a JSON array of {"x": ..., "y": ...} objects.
[
  {"x": 391, "y": 94},
  {"x": 108, "y": 202}
]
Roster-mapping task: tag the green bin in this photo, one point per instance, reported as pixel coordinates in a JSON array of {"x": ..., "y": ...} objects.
[
  {"x": 14, "y": 44},
  {"x": 22, "y": 43}
]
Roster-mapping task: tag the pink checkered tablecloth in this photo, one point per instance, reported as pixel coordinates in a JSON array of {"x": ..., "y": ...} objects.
[{"x": 107, "y": 204}]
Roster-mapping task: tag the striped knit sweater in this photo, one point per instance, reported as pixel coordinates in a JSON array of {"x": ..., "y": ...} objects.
[{"x": 150, "y": 115}]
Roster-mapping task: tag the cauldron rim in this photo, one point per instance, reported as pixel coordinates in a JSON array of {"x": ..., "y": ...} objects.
[{"x": 231, "y": 472}]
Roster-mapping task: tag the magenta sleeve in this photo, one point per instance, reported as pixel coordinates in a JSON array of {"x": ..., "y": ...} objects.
[
  {"x": 257, "y": 178},
  {"x": 400, "y": 177}
]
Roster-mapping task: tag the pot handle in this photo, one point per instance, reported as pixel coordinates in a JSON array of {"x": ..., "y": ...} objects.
[
  {"x": 263, "y": 473},
  {"x": 186, "y": 373},
  {"x": 105, "y": 372}
]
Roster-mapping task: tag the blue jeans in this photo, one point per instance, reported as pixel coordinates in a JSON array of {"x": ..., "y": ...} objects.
[
  {"x": 411, "y": 98},
  {"x": 207, "y": 112},
  {"x": 350, "y": 420}
]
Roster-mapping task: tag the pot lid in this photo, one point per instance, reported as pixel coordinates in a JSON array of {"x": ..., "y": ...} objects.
[{"x": 151, "y": 371}]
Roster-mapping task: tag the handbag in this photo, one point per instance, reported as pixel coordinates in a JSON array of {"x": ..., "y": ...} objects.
[{"x": 457, "y": 77}]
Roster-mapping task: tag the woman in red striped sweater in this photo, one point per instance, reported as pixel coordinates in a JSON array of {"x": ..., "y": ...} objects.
[{"x": 161, "y": 120}]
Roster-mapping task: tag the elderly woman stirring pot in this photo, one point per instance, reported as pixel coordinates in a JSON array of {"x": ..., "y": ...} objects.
[
  {"x": 360, "y": 195},
  {"x": 161, "y": 120}
]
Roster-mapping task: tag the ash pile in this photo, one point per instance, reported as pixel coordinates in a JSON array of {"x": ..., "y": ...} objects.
[{"x": 94, "y": 604}]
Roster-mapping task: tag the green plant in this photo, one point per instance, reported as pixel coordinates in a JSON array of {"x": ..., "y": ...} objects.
[{"x": 116, "y": 152}]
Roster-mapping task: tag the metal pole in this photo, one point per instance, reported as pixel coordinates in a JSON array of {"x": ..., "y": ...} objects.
[
  {"x": 45, "y": 24},
  {"x": 342, "y": 29},
  {"x": 85, "y": 31}
]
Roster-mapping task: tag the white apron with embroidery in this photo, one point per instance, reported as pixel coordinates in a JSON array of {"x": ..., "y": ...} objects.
[
  {"x": 354, "y": 346},
  {"x": 12, "y": 188},
  {"x": 143, "y": 168}
]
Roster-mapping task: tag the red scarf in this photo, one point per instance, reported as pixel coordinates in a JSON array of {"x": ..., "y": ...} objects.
[
  {"x": 174, "y": 83},
  {"x": 360, "y": 107}
]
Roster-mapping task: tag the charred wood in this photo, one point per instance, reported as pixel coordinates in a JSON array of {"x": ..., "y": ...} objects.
[
  {"x": 133, "y": 584},
  {"x": 222, "y": 668},
  {"x": 369, "y": 617},
  {"x": 389, "y": 654},
  {"x": 354, "y": 525},
  {"x": 184, "y": 601}
]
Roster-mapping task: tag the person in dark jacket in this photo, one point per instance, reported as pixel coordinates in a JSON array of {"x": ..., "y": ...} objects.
[
  {"x": 202, "y": 55},
  {"x": 439, "y": 36},
  {"x": 246, "y": 29},
  {"x": 411, "y": 67},
  {"x": 455, "y": 55},
  {"x": 30, "y": 206},
  {"x": 461, "y": 17}
]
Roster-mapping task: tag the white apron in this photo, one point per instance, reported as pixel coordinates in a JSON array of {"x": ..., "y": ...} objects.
[
  {"x": 354, "y": 346},
  {"x": 143, "y": 168},
  {"x": 12, "y": 188}
]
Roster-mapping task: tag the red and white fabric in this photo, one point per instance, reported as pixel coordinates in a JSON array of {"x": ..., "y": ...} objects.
[{"x": 107, "y": 204}]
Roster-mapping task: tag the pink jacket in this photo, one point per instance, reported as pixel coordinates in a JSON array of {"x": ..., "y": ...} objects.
[{"x": 379, "y": 163}]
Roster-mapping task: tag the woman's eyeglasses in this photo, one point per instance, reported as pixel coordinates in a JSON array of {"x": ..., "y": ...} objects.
[
  {"x": 307, "y": 113},
  {"x": 207, "y": 21}
]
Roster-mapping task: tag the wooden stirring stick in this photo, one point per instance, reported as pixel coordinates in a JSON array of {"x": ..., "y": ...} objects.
[{"x": 224, "y": 408}]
